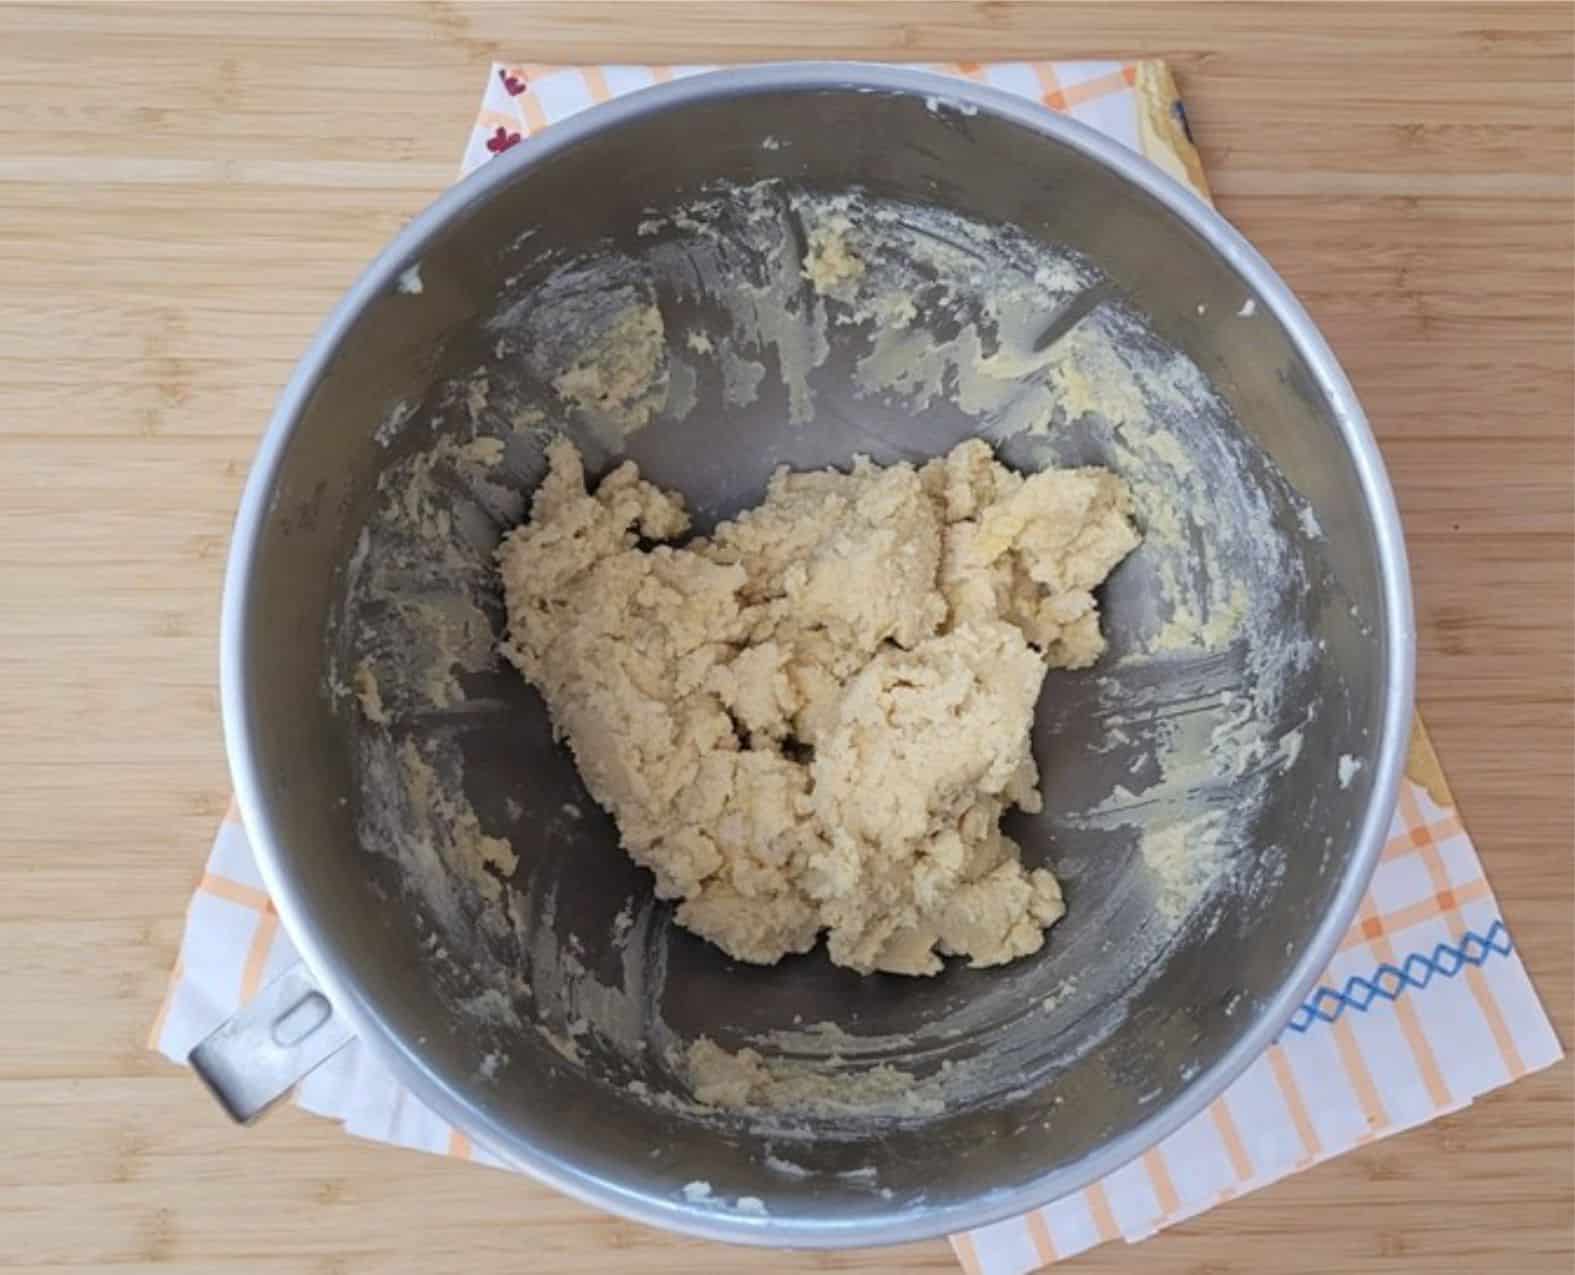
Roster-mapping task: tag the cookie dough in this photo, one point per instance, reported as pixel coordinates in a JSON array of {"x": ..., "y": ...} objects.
[{"x": 812, "y": 720}]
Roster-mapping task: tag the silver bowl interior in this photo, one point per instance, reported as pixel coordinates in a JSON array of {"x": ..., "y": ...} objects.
[{"x": 1083, "y": 1054}]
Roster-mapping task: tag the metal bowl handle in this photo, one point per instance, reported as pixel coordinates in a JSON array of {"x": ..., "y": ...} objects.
[{"x": 256, "y": 1055}]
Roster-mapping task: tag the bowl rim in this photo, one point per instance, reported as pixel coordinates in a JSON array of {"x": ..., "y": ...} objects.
[{"x": 344, "y": 986}]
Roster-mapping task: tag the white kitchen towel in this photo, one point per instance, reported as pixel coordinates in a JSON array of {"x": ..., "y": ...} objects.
[{"x": 1425, "y": 1006}]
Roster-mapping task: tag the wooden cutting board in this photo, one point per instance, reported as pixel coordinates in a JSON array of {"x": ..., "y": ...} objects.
[{"x": 184, "y": 192}]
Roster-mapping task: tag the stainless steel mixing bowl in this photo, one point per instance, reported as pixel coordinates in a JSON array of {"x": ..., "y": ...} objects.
[{"x": 1079, "y": 1087}]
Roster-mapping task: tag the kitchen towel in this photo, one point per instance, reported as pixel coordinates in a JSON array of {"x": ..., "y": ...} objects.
[{"x": 1425, "y": 1005}]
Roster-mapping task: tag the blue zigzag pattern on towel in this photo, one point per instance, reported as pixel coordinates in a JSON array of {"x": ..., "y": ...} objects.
[{"x": 1390, "y": 982}]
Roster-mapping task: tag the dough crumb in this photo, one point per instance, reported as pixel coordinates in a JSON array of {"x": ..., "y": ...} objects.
[
  {"x": 811, "y": 721},
  {"x": 787, "y": 1168},
  {"x": 831, "y": 264}
]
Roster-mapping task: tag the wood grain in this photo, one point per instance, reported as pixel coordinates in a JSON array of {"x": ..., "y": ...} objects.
[{"x": 185, "y": 190}]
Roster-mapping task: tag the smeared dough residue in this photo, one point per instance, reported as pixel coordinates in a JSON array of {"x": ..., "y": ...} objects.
[
  {"x": 621, "y": 377},
  {"x": 813, "y": 720},
  {"x": 745, "y": 1081}
]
